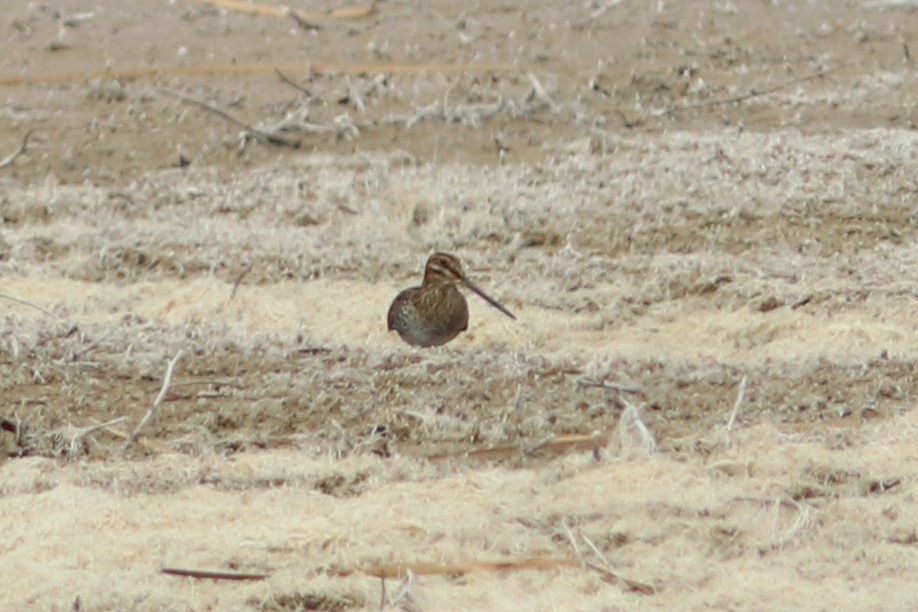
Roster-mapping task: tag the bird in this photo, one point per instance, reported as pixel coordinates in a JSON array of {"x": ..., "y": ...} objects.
[{"x": 436, "y": 312}]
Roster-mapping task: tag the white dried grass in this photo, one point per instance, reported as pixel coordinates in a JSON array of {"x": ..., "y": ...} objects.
[{"x": 707, "y": 532}]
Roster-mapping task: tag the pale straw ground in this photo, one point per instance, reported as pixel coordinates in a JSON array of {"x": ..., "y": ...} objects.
[{"x": 771, "y": 241}]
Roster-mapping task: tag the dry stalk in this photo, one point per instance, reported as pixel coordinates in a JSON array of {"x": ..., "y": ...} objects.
[
  {"x": 607, "y": 385},
  {"x": 605, "y": 572},
  {"x": 473, "y": 115},
  {"x": 11, "y": 298},
  {"x": 754, "y": 93},
  {"x": 148, "y": 444},
  {"x": 539, "y": 445},
  {"x": 216, "y": 382},
  {"x": 611, "y": 576},
  {"x": 250, "y": 132},
  {"x": 594, "y": 549},
  {"x": 77, "y": 354},
  {"x": 8, "y": 161},
  {"x": 393, "y": 570},
  {"x": 801, "y": 519},
  {"x": 538, "y": 93},
  {"x": 301, "y": 19},
  {"x": 211, "y": 574},
  {"x": 81, "y": 434},
  {"x": 150, "y": 72},
  {"x": 631, "y": 419},
  {"x": 289, "y": 81},
  {"x": 573, "y": 542},
  {"x": 167, "y": 380},
  {"x": 402, "y": 595},
  {"x": 736, "y": 408}
]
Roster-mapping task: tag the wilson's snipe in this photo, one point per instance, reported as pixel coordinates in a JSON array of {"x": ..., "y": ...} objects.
[{"x": 436, "y": 312}]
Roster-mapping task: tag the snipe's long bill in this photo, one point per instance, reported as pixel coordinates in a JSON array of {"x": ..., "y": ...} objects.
[{"x": 436, "y": 312}]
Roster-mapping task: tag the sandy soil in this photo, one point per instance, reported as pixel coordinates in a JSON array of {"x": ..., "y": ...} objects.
[{"x": 707, "y": 229}]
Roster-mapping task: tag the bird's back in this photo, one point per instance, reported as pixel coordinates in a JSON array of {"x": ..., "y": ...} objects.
[{"x": 429, "y": 316}]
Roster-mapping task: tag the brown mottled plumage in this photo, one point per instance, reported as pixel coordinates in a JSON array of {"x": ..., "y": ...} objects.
[{"x": 436, "y": 312}]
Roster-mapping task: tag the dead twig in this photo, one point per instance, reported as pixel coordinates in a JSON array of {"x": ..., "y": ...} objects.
[
  {"x": 238, "y": 281},
  {"x": 148, "y": 444},
  {"x": 22, "y": 149},
  {"x": 11, "y": 298},
  {"x": 801, "y": 520},
  {"x": 607, "y": 385},
  {"x": 573, "y": 542},
  {"x": 77, "y": 354},
  {"x": 473, "y": 115},
  {"x": 399, "y": 570},
  {"x": 301, "y": 19},
  {"x": 610, "y": 576},
  {"x": 736, "y": 408},
  {"x": 80, "y": 435},
  {"x": 753, "y": 93},
  {"x": 539, "y": 93},
  {"x": 402, "y": 595},
  {"x": 211, "y": 574},
  {"x": 209, "y": 381},
  {"x": 354, "y": 12},
  {"x": 605, "y": 572},
  {"x": 613, "y": 578},
  {"x": 250, "y": 131},
  {"x": 167, "y": 380},
  {"x": 539, "y": 445},
  {"x": 289, "y": 81},
  {"x": 631, "y": 419}
]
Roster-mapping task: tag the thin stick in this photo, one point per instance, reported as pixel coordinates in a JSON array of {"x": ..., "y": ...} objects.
[
  {"x": 105, "y": 425},
  {"x": 607, "y": 574},
  {"x": 301, "y": 19},
  {"x": 631, "y": 418},
  {"x": 286, "y": 79},
  {"x": 404, "y": 592},
  {"x": 211, "y": 574},
  {"x": 394, "y": 570},
  {"x": 595, "y": 550},
  {"x": 633, "y": 585},
  {"x": 754, "y": 93},
  {"x": 238, "y": 282},
  {"x": 11, "y": 298},
  {"x": 736, "y": 408},
  {"x": 547, "y": 440},
  {"x": 167, "y": 380},
  {"x": 170, "y": 369},
  {"x": 538, "y": 92},
  {"x": 77, "y": 354},
  {"x": 145, "y": 443},
  {"x": 22, "y": 149},
  {"x": 608, "y": 385},
  {"x": 209, "y": 381},
  {"x": 78, "y": 436},
  {"x": 382, "y": 596},
  {"x": 573, "y": 541},
  {"x": 255, "y": 133}
]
